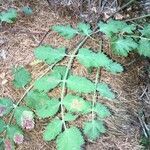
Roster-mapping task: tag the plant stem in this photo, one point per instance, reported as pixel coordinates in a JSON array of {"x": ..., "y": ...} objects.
[
  {"x": 25, "y": 93},
  {"x": 66, "y": 75},
  {"x": 136, "y": 18},
  {"x": 94, "y": 95},
  {"x": 139, "y": 37}
]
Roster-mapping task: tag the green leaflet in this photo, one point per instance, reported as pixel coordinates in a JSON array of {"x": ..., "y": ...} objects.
[
  {"x": 88, "y": 58},
  {"x": 114, "y": 26},
  {"x": 19, "y": 112},
  {"x": 6, "y": 106},
  {"x": 21, "y": 77},
  {"x": 105, "y": 91},
  {"x": 48, "y": 82},
  {"x": 60, "y": 70},
  {"x": 2, "y": 144},
  {"x": 76, "y": 104},
  {"x": 48, "y": 54},
  {"x": 8, "y": 16},
  {"x": 48, "y": 108},
  {"x": 122, "y": 46},
  {"x": 2, "y": 125},
  {"x": 144, "y": 47},
  {"x": 66, "y": 31},
  {"x": 146, "y": 31},
  {"x": 84, "y": 28},
  {"x": 52, "y": 129},
  {"x": 70, "y": 139},
  {"x": 94, "y": 129},
  {"x": 27, "y": 10},
  {"x": 35, "y": 98},
  {"x": 43, "y": 105},
  {"x": 114, "y": 67},
  {"x": 101, "y": 110},
  {"x": 13, "y": 131},
  {"x": 70, "y": 117},
  {"x": 80, "y": 84}
]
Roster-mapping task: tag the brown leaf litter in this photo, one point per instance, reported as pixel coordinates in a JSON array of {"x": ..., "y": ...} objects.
[{"x": 19, "y": 41}]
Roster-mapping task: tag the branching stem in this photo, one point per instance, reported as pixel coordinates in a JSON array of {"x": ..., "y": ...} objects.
[{"x": 66, "y": 75}]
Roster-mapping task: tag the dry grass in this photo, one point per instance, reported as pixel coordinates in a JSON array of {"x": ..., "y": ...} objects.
[{"x": 19, "y": 41}]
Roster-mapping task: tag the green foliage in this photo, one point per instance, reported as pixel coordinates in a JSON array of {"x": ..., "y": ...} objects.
[
  {"x": 62, "y": 96},
  {"x": 70, "y": 139},
  {"x": 67, "y": 31},
  {"x": 114, "y": 26},
  {"x": 6, "y": 105},
  {"x": 146, "y": 31},
  {"x": 144, "y": 48},
  {"x": 2, "y": 125},
  {"x": 123, "y": 38},
  {"x": 122, "y": 46},
  {"x": 20, "y": 113},
  {"x": 27, "y": 10},
  {"x": 80, "y": 84},
  {"x": 47, "y": 82},
  {"x": 94, "y": 129},
  {"x": 76, "y": 104},
  {"x": 8, "y": 16},
  {"x": 43, "y": 105},
  {"x": 52, "y": 129},
  {"x": 48, "y": 54},
  {"x": 105, "y": 91},
  {"x": 88, "y": 58},
  {"x": 21, "y": 77},
  {"x": 101, "y": 110},
  {"x": 84, "y": 28},
  {"x": 70, "y": 117}
]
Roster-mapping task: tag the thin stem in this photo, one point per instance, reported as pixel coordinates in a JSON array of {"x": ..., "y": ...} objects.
[
  {"x": 66, "y": 75},
  {"x": 94, "y": 95},
  {"x": 136, "y": 18},
  {"x": 25, "y": 93},
  {"x": 136, "y": 36}
]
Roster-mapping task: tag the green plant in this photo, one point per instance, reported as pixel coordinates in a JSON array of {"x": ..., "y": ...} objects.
[{"x": 72, "y": 101}]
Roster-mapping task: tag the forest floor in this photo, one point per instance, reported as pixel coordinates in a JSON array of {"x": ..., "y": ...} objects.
[{"x": 18, "y": 42}]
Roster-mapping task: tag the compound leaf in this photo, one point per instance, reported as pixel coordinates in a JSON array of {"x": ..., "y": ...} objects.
[
  {"x": 66, "y": 31},
  {"x": 144, "y": 47},
  {"x": 115, "y": 26},
  {"x": 2, "y": 125},
  {"x": 84, "y": 28},
  {"x": 8, "y": 16},
  {"x": 105, "y": 91},
  {"x": 6, "y": 105},
  {"x": 122, "y": 46},
  {"x": 48, "y": 108},
  {"x": 76, "y": 104},
  {"x": 94, "y": 129},
  {"x": 80, "y": 84},
  {"x": 70, "y": 139},
  {"x": 70, "y": 117},
  {"x": 21, "y": 77},
  {"x": 48, "y": 82},
  {"x": 101, "y": 110},
  {"x": 52, "y": 129},
  {"x": 48, "y": 54}
]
